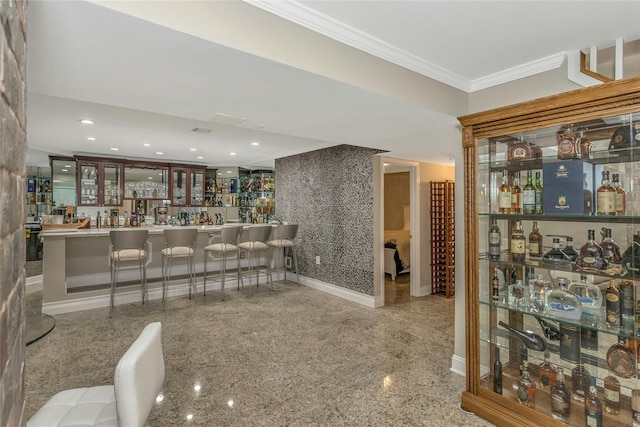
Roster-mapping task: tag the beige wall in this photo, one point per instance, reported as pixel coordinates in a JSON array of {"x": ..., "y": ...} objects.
[{"x": 396, "y": 194}]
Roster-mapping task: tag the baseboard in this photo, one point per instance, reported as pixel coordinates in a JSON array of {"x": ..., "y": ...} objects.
[
  {"x": 458, "y": 365},
  {"x": 33, "y": 280},
  {"x": 357, "y": 297},
  {"x": 126, "y": 297}
]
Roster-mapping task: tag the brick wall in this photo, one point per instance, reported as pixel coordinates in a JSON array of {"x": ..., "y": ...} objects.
[{"x": 13, "y": 155}]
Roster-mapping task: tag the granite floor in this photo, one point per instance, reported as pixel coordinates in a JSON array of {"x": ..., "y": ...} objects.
[{"x": 293, "y": 356}]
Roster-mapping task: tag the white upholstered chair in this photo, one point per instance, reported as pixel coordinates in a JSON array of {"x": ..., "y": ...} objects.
[{"x": 137, "y": 381}]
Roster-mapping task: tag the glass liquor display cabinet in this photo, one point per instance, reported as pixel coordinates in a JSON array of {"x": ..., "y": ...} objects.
[{"x": 552, "y": 253}]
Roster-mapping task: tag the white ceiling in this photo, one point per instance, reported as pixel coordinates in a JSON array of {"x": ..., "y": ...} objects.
[{"x": 145, "y": 83}]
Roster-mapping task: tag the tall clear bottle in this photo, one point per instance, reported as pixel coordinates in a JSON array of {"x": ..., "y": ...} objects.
[
  {"x": 504, "y": 195},
  {"x": 529, "y": 195},
  {"x": 606, "y": 196},
  {"x": 495, "y": 239},
  {"x": 560, "y": 398}
]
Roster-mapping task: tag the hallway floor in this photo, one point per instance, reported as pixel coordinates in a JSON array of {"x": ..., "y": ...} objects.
[{"x": 293, "y": 356}]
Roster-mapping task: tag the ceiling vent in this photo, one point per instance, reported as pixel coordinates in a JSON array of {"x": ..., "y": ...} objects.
[{"x": 201, "y": 130}]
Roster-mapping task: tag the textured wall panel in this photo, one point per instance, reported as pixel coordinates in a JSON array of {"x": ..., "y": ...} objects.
[{"x": 329, "y": 193}]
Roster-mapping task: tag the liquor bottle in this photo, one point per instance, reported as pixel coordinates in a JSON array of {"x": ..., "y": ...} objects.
[
  {"x": 134, "y": 219},
  {"x": 635, "y": 407},
  {"x": 555, "y": 255},
  {"x": 522, "y": 151},
  {"x": 591, "y": 299},
  {"x": 551, "y": 332},
  {"x": 538, "y": 289},
  {"x": 504, "y": 195},
  {"x": 560, "y": 398},
  {"x": 613, "y": 306},
  {"x": 627, "y": 304},
  {"x": 569, "y": 250},
  {"x": 517, "y": 242},
  {"x": 530, "y": 339},
  {"x": 568, "y": 144},
  {"x": 518, "y": 296},
  {"x": 538, "y": 196},
  {"x": 547, "y": 373},
  {"x": 580, "y": 380},
  {"x": 495, "y": 238},
  {"x": 606, "y": 197},
  {"x": 495, "y": 287},
  {"x": 593, "y": 406},
  {"x": 610, "y": 249},
  {"x": 569, "y": 342},
  {"x": 497, "y": 373},
  {"x": 591, "y": 254},
  {"x": 621, "y": 359},
  {"x": 562, "y": 303},
  {"x": 526, "y": 387},
  {"x": 529, "y": 195},
  {"x": 611, "y": 395},
  {"x": 535, "y": 241},
  {"x": 516, "y": 195},
  {"x": 621, "y": 195}
]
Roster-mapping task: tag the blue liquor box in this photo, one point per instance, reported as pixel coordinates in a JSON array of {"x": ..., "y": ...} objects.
[
  {"x": 31, "y": 185},
  {"x": 568, "y": 188}
]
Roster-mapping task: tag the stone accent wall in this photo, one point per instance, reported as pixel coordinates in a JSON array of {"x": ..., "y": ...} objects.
[
  {"x": 13, "y": 155},
  {"x": 329, "y": 193}
]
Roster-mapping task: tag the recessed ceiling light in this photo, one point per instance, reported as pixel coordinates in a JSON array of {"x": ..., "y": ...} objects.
[
  {"x": 87, "y": 122},
  {"x": 67, "y": 166},
  {"x": 260, "y": 126},
  {"x": 65, "y": 170},
  {"x": 219, "y": 173},
  {"x": 255, "y": 143},
  {"x": 200, "y": 157},
  {"x": 197, "y": 387},
  {"x": 114, "y": 149},
  {"x": 147, "y": 144},
  {"x": 229, "y": 172},
  {"x": 160, "y": 173},
  {"x": 189, "y": 417},
  {"x": 192, "y": 149},
  {"x": 232, "y": 154},
  {"x": 150, "y": 177},
  {"x": 91, "y": 138},
  {"x": 159, "y": 152}
]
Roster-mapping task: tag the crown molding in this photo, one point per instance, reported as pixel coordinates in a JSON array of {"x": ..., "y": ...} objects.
[
  {"x": 550, "y": 62},
  {"x": 336, "y": 30},
  {"x": 302, "y": 15}
]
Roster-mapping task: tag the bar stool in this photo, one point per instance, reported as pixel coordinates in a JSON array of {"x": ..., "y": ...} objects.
[
  {"x": 258, "y": 236},
  {"x": 282, "y": 238},
  {"x": 180, "y": 243},
  {"x": 128, "y": 245},
  {"x": 230, "y": 234}
]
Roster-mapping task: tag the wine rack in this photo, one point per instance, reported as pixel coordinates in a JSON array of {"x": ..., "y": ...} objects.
[
  {"x": 442, "y": 238},
  {"x": 512, "y": 141}
]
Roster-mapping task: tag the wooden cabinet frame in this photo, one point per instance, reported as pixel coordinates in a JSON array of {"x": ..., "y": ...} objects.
[{"x": 608, "y": 99}]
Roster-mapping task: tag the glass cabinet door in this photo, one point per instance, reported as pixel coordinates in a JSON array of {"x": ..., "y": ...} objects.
[
  {"x": 112, "y": 183},
  {"x": 88, "y": 174},
  {"x": 559, "y": 282},
  {"x": 197, "y": 188},
  {"x": 179, "y": 187}
]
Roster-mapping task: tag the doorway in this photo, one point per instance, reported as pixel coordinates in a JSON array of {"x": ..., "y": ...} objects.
[{"x": 402, "y": 230}]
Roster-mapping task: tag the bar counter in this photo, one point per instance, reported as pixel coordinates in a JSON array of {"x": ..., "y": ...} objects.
[{"x": 76, "y": 270}]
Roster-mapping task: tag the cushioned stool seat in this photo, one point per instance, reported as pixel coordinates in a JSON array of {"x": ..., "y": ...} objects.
[
  {"x": 137, "y": 381},
  {"x": 88, "y": 406}
]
